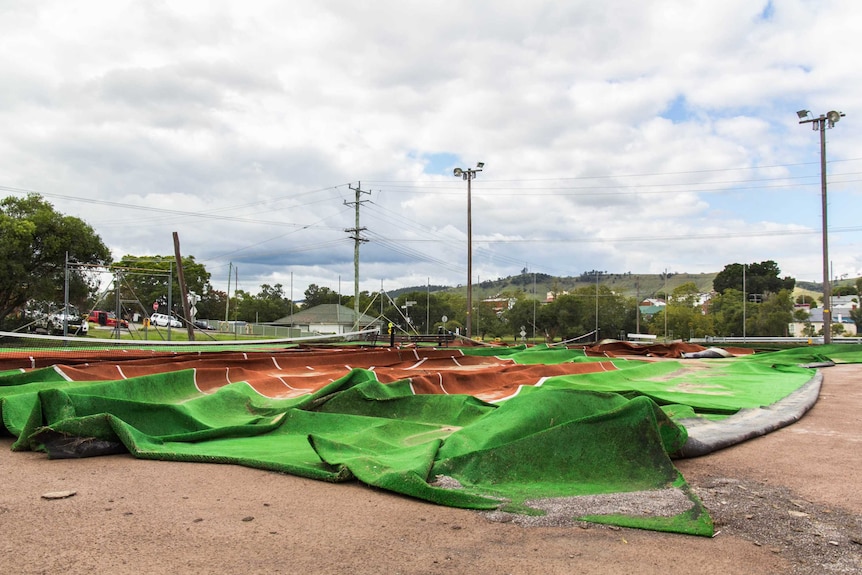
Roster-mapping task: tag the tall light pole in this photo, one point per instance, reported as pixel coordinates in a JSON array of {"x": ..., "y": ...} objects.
[
  {"x": 468, "y": 175},
  {"x": 820, "y": 124}
]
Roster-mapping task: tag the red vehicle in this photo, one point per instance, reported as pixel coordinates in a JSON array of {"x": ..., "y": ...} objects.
[{"x": 106, "y": 319}]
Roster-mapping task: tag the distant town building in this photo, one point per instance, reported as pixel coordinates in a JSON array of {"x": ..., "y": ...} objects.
[{"x": 328, "y": 318}]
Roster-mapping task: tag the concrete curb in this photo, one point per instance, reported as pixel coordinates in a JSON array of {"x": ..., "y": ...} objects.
[{"x": 706, "y": 436}]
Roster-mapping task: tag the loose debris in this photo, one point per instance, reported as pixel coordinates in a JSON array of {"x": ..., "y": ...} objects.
[
  {"x": 815, "y": 539},
  {"x": 59, "y": 494}
]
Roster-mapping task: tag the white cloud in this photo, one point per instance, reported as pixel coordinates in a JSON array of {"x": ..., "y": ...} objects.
[{"x": 618, "y": 136}]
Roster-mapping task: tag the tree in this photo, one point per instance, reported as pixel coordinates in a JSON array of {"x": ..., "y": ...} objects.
[
  {"x": 727, "y": 313},
  {"x": 773, "y": 316},
  {"x": 856, "y": 316},
  {"x": 268, "y": 305},
  {"x": 682, "y": 314},
  {"x": 840, "y": 291},
  {"x": 807, "y": 299},
  {"x": 760, "y": 278},
  {"x": 574, "y": 315},
  {"x": 35, "y": 241},
  {"x": 317, "y": 295},
  {"x": 144, "y": 282}
]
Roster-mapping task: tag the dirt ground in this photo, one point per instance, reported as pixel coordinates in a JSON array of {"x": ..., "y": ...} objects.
[{"x": 787, "y": 503}]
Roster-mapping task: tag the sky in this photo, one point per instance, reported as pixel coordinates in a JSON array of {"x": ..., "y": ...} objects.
[{"x": 617, "y": 136}]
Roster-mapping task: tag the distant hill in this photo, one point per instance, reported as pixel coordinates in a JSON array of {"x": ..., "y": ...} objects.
[{"x": 628, "y": 284}]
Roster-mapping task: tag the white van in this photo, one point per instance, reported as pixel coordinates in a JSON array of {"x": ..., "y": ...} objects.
[{"x": 163, "y": 320}]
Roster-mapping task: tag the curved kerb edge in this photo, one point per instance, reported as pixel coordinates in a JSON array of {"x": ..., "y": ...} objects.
[{"x": 706, "y": 436}]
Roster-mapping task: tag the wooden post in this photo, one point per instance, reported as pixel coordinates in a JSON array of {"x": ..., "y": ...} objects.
[{"x": 184, "y": 292}]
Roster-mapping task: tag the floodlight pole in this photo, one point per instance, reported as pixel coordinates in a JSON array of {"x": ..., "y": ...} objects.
[
  {"x": 468, "y": 175},
  {"x": 820, "y": 124}
]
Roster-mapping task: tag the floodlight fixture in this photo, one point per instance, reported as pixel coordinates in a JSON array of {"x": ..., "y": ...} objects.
[
  {"x": 480, "y": 165},
  {"x": 802, "y": 114},
  {"x": 458, "y": 172}
]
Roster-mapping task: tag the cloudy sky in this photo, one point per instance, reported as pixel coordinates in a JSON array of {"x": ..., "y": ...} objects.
[{"x": 617, "y": 135}]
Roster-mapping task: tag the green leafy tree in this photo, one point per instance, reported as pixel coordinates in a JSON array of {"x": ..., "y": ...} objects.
[
  {"x": 268, "y": 305},
  {"x": 760, "y": 278},
  {"x": 213, "y": 305},
  {"x": 807, "y": 299},
  {"x": 318, "y": 295},
  {"x": 487, "y": 323},
  {"x": 727, "y": 311},
  {"x": 428, "y": 308},
  {"x": 521, "y": 314},
  {"x": 145, "y": 281},
  {"x": 840, "y": 291},
  {"x": 773, "y": 316},
  {"x": 682, "y": 315},
  {"x": 34, "y": 242},
  {"x": 573, "y": 315},
  {"x": 856, "y": 316}
]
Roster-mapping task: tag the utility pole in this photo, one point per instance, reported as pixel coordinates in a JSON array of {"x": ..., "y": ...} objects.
[
  {"x": 821, "y": 124},
  {"x": 227, "y": 304},
  {"x": 357, "y": 239},
  {"x": 184, "y": 290},
  {"x": 468, "y": 175}
]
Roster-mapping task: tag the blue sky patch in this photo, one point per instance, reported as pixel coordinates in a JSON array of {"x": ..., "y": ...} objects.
[{"x": 438, "y": 164}]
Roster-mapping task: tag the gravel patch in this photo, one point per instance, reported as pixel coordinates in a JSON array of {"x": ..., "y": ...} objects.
[
  {"x": 816, "y": 539},
  {"x": 563, "y": 511}
]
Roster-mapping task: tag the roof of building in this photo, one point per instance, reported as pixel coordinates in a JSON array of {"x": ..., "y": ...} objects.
[
  {"x": 328, "y": 314},
  {"x": 816, "y": 315}
]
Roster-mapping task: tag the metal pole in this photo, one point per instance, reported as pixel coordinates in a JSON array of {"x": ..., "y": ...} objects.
[
  {"x": 534, "y": 307},
  {"x": 469, "y": 257},
  {"x": 827, "y": 286},
  {"x": 666, "y": 304},
  {"x": 170, "y": 298},
  {"x": 66, "y": 298},
  {"x": 468, "y": 175},
  {"x": 744, "y": 299},
  {"x": 821, "y": 123}
]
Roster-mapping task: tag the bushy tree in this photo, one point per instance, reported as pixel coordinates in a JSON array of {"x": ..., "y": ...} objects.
[
  {"x": 727, "y": 313},
  {"x": 144, "y": 281},
  {"x": 682, "y": 315},
  {"x": 35, "y": 240},
  {"x": 760, "y": 278},
  {"x": 573, "y": 315},
  {"x": 772, "y": 317},
  {"x": 268, "y": 305},
  {"x": 318, "y": 295},
  {"x": 807, "y": 299}
]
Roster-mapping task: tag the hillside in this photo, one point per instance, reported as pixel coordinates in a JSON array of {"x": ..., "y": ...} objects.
[
  {"x": 628, "y": 284},
  {"x": 631, "y": 285}
]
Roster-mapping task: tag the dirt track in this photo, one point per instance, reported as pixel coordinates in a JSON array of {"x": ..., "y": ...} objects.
[{"x": 786, "y": 503}]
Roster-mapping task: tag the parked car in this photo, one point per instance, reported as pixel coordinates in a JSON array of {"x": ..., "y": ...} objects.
[
  {"x": 162, "y": 320},
  {"x": 51, "y": 319},
  {"x": 106, "y": 319}
]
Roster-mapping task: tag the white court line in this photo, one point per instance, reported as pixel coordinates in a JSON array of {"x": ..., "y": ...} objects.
[
  {"x": 440, "y": 376},
  {"x": 62, "y": 374}
]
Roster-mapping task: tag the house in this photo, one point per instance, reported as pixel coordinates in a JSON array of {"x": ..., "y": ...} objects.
[
  {"x": 815, "y": 319},
  {"x": 328, "y": 318},
  {"x": 499, "y": 304},
  {"x": 649, "y": 307}
]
